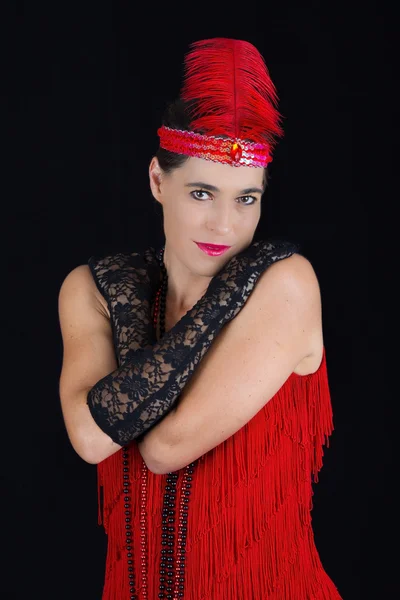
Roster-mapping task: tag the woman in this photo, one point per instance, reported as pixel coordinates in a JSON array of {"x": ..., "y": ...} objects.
[{"x": 195, "y": 376}]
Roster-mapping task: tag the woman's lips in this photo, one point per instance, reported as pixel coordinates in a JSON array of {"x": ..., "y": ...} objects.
[{"x": 212, "y": 249}]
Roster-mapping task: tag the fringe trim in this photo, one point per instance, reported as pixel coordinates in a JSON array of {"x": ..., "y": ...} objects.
[{"x": 253, "y": 488}]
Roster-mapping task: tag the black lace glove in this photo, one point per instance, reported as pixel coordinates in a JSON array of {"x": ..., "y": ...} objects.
[{"x": 128, "y": 402}]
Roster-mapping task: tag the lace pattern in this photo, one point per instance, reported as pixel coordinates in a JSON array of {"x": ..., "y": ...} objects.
[{"x": 152, "y": 374}]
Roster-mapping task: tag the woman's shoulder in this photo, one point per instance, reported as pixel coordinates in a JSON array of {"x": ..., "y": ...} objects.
[
  {"x": 293, "y": 285},
  {"x": 283, "y": 257},
  {"x": 80, "y": 289},
  {"x": 292, "y": 277}
]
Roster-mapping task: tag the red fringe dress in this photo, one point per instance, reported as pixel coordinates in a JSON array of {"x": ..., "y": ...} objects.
[{"x": 236, "y": 523}]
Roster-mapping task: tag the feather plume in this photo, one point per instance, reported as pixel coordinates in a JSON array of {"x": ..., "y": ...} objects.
[{"x": 229, "y": 91}]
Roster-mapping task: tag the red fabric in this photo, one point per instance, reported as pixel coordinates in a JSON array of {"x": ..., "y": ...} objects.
[{"x": 249, "y": 528}]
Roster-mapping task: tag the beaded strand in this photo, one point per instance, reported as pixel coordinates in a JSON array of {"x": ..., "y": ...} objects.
[{"x": 172, "y": 577}]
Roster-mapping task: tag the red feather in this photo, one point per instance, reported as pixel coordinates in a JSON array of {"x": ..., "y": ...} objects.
[{"x": 231, "y": 90}]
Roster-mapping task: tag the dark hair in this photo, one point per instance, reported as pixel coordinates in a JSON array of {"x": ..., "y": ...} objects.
[{"x": 177, "y": 116}]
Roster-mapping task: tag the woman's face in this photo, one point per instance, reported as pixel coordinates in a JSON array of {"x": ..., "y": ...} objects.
[{"x": 207, "y": 202}]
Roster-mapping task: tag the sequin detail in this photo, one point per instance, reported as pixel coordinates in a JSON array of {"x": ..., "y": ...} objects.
[{"x": 236, "y": 152}]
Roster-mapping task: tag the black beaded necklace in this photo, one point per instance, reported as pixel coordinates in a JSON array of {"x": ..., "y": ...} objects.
[
  {"x": 161, "y": 296},
  {"x": 173, "y": 535}
]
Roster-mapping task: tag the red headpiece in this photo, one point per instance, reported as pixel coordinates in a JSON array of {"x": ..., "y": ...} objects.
[{"x": 233, "y": 102}]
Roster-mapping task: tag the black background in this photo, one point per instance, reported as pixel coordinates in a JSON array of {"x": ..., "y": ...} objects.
[{"x": 84, "y": 88}]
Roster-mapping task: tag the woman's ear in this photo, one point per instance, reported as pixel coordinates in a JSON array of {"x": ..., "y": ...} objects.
[{"x": 155, "y": 176}]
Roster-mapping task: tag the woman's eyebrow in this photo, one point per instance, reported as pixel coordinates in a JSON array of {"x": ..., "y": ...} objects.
[{"x": 213, "y": 188}]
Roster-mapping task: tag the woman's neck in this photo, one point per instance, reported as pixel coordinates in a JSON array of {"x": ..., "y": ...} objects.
[{"x": 184, "y": 288}]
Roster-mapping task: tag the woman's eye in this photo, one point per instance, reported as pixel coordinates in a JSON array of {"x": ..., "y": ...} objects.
[
  {"x": 248, "y": 200},
  {"x": 199, "y": 195},
  {"x": 203, "y": 195}
]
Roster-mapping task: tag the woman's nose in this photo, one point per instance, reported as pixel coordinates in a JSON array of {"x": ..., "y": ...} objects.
[{"x": 220, "y": 219}]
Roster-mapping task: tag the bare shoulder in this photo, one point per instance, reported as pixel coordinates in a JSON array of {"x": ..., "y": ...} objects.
[
  {"x": 79, "y": 288},
  {"x": 289, "y": 290},
  {"x": 294, "y": 274},
  {"x": 290, "y": 282}
]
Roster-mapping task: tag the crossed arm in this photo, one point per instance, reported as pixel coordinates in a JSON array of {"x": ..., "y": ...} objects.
[{"x": 248, "y": 362}]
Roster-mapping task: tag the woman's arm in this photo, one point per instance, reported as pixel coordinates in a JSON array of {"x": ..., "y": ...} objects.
[
  {"x": 124, "y": 402},
  {"x": 88, "y": 355},
  {"x": 247, "y": 364},
  {"x": 130, "y": 401}
]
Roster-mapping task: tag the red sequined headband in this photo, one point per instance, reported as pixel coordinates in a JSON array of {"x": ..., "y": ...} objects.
[
  {"x": 231, "y": 100},
  {"x": 235, "y": 152}
]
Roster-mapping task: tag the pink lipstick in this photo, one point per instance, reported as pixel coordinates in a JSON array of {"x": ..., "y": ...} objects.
[{"x": 212, "y": 249}]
